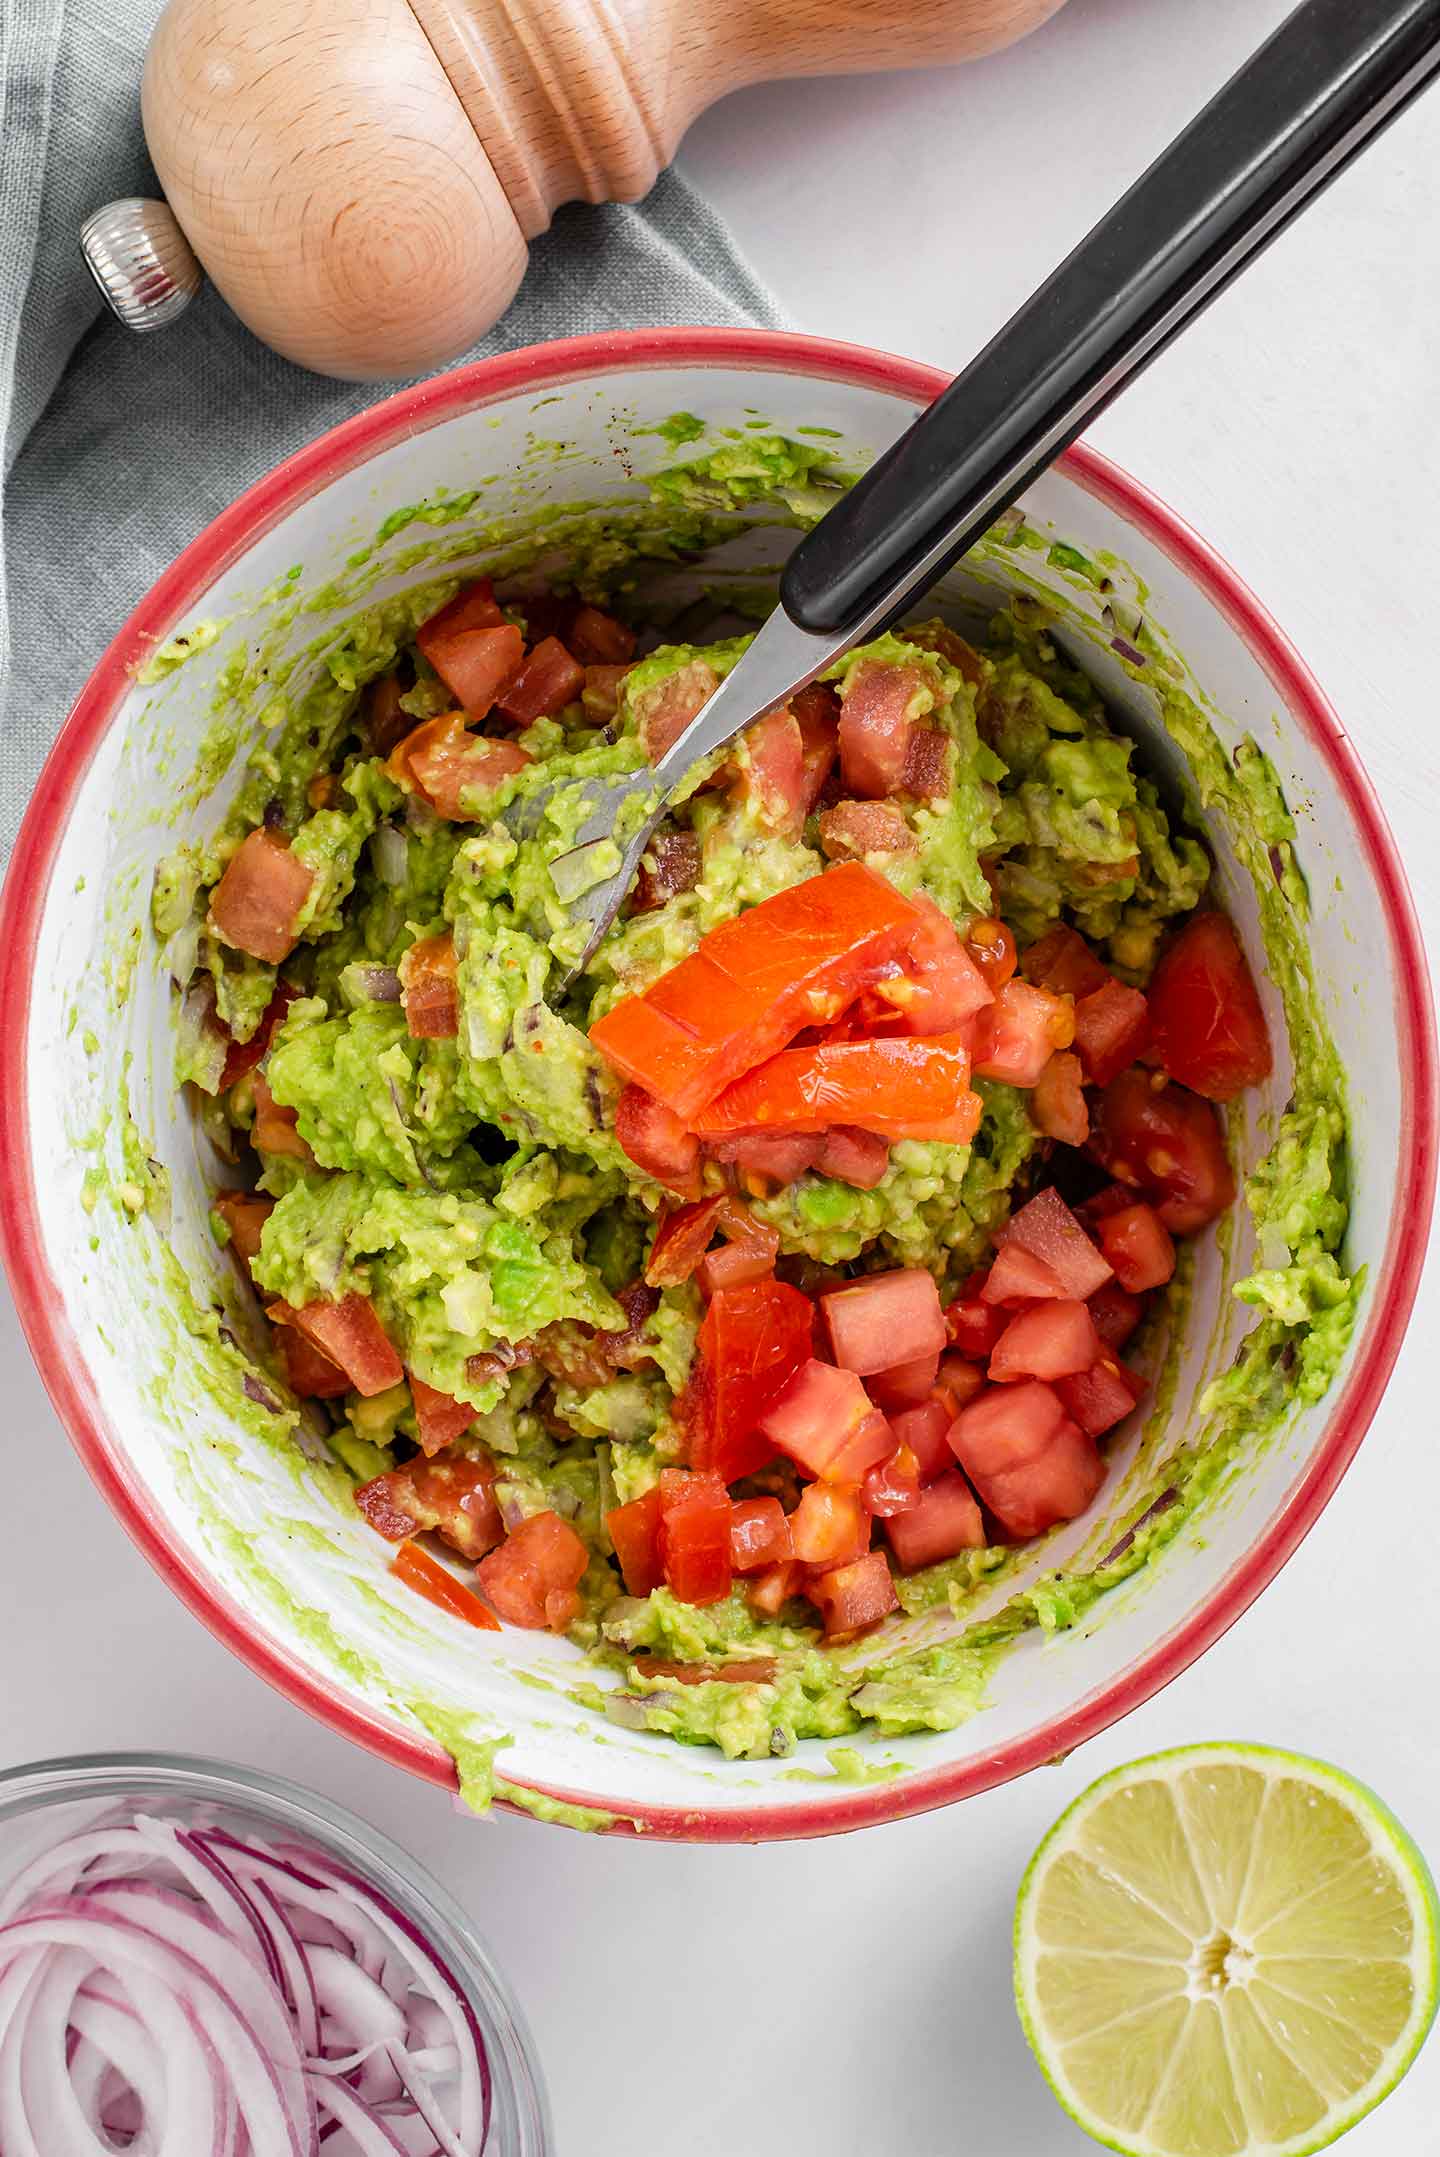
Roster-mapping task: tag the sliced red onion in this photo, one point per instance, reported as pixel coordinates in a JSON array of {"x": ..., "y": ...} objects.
[
  {"x": 371, "y": 2136},
  {"x": 1128, "y": 651},
  {"x": 376, "y": 984}
]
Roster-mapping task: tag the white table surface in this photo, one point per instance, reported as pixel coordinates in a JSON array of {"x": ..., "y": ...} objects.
[{"x": 852, "y": 1998}]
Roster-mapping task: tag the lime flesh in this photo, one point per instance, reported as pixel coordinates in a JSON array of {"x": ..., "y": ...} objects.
[{"x": 1225, "y": 1951}]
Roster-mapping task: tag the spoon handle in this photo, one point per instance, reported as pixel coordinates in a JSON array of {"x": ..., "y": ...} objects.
[{"x": 1333, "y": 75}]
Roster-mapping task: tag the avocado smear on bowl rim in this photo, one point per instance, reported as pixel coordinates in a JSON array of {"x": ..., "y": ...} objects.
[{"x": 469, "y": 1188}]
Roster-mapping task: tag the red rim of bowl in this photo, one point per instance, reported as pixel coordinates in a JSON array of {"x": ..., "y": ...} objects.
[{"x": 37, "y": 1294}]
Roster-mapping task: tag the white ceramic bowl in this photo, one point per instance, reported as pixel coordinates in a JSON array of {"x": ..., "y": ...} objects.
[{"x": 259, "y": 1544}]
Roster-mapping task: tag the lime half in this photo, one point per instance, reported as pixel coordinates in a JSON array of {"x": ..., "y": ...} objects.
[{"x": 1225, "y": 1950}]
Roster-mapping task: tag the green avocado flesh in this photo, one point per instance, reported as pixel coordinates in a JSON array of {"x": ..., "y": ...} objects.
[{"x": 473, "y": 1188}]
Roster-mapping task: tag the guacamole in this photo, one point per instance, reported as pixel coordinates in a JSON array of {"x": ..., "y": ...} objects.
[{"x": 436, "y": 1153}]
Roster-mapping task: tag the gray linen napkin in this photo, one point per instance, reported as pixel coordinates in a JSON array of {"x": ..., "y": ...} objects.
[{"x": 118, "y": 449}]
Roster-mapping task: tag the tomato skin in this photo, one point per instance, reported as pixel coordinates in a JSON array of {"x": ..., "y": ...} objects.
[
  {"x": 1205, "y": 1011},
  {"x": 1168, "y": 1145},
  {"x": 1016, "y": 1036},
  {"x": 945, "y": 1522},
  {"x": 1049, "y": 1341},
  {"x": 657, "y": 1141},
  {"x": 1138, "y": 1246},
  {"x": 829, "y": 1526},
  {"x": 429, "y": 1578},
  {"x": 635, "y": 1533},
  {"x": 851, "y": 1598},
  {"x": 759, "y": 1535},
  {"x": 1048, "y": 1230},
  {"x": 1058, "y": 1103},
  {"x": 1116, "y": 1314},
  {"x": 1101, "y": 1397},
  {"x": 695, "y": 1535},
  {"x": 531, "y": 1580},
  {"x": 256, "y": 904},
  {"x": 439, "y": 1418},
  {"x": 752, "y": 1341},
  {"x": 899, "y": 1089},
  {"x": 826, "y": 1422},
  {"x": 428, "y": 993},
  {"x": 884, "y": 1319}
]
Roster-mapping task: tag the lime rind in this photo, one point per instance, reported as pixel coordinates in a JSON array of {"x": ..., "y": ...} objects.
[{"x": 1229, "y": 2082}]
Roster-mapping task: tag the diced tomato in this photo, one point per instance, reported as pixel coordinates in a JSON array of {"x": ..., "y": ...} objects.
[
  {"x": 664, "y": 711},
  {"x": 1139, "y": 1249},
  {"x": 1111, "y": 1198},
  {"x": 748, "y": 1252},
  {"x": 1047, "y": 1229},
  {"x": 1167, "y": 1143},
  {"x": 1058, "y": 1103},
  {"x": 817, "y": 714},
  {"x": 903, "y": 1385},
  {"x": 945, "y": 1522},
  {"x": 428, "y": 993},
  {"x": 385, "y": 718},
  {"x": 681, "y": 1241},
  {"x": 257, "y": 903},
  {"x": 1051, "y": 1340},
  {"x": 794, "y": 960},
  {"x": 695, "y": 1535},
  {"x": 759, "y": 1670},
  {"x": 1016, "y": 1036},
  {"x": 927, "y": 765},
  {"x": 769, "y": 1164},
  {"x": 825, "y": 1420},
  {"x": 635, "y": 1533},
  {"x": 276, "y": 1129},
  {"x": 548, "y": 681},
  {"x": 992, "y": 947},
  {"x": 884, "y": 1319},
  {"x": 773, "y": 776},
  {"x": 752, "y": 1341},
  {"x": 453, "y": 1496},
  {"x": 940, "y": 987},
  {"x": 670, "y": 865},
  {"x": 1018, "y": 1276},
  {"x": 1058, "y": 1484},
  {"x": 308, "y": 1372},
  {"x": 853, "y": 829},
  {"x": 1063, "y": 962},
  {"x": 450, "y": 766},
  {"x": 439, "y": 1586},
  {"x": 972, "y": 1322},
  {"x": 923, "y": 1432},
  {"x": 959, "y": 1381},
  {"x": 1112, "y": 1026},
  {"x": 1101, "y": 1397},
  {"x": 244, "y": 1214},
  {"x": 476, "y": 664},
  {"x": 350, "y": 1334},
  {"x": 829, "y": 1526},
  {"x": 599, "y": 639},
  {"x": 473, "y": 608},
  {"x": 768, "y": 1592},
  {"x": 601, "y": 693},
  {"x": 1205, "y": 1011},
  {"x": 898, "y": 1089},
  {"x": 533, "y": 1577},
  {"x": 878, "y": 714},
  {"x": 850, "y": 1155},
  {"x": 439, "y": 1418},
  {"x": 1003, "y": 1427},
  {"x": 852, "y": 1598},
  {"x": 759, "y": 1535},
  {"x": 657, "y": 1141},
  {"x": 1116, "y": 1314},
  {"x": 242, "y": 1056},
  {"x": 892, "y": 1486}
]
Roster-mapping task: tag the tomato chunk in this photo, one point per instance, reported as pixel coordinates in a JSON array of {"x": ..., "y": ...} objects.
[
  {"x": 903, "y": 1385},
  {"x": 308, "y": 1373},
  {"x": 664, "y": 711},
  {"x": 657, "y": 1141},
  {"x": 959, "y": 1383},
  {"x": 599, "y": 639},
  {"x": 924, "y": 1432},
  {"x": 772, "y": 776},
  {"x": 533, "y": 1578},
  {"x": 439, "y": 1418},
  {"x": 1004, "y": 1426},
  {"x": 548, "y": 681},
  {"x": 695, "y": 1535},
  {"x": 900, "y": 1088},
  {"x": 244, "y": 1214},
  {"x": 257, "y": 903},
  {"x": 1062, "y": 961},
  {"x": 850, "y": 1155},
  {"x": 350, "y": 1334},
  {"x": 748, "y": 1252},
  {"x": 1116, "y": 1314},
  {"x": 878, "y": 713},
  {"x": 884, "y": 1319},
  {"x": 681, "y": 1241},
  {"x": 853, "y": 829},
  {"x": 1018, "y": 1276},
  {"x": 940, "y": 986},
  {"x": 1047, "y": 1229},
  {"x": 1168, "y": 1145},
  {"x": 428, "y": 993},
  {"x": 1139, "y": 1249},
  {"x": 852, "y": 1598},
  {"x": 1051, "y": 1340},
  {"x": 428, "y": 1577},
  {"x": 945, "y": 1522},
  {"x": 766, "y": 1164},
  {"x": 276, "y": 1129},
  {"x": 825, "y": 1420},
  {"x": 992, "y": 947},
  {"x": 817, "y": 714},
  {"x": 927, "y": 764},
  {"x": 770, "y": 1591},
  {"x": 1018, "y": 1034},
  {"x": 759, "y": 1535},
  {"x": 1205, "y": 1011},
  {"x": 475, "y": 664},
  {"x": 601, "y": 694},
  {"x": 451, "y": 766},
  {"x": 892, "y": 1486},
  {"x": 454, "y": 1497},
  {"x": 1058, "y": 1103},
  {"x": 242, "y": 1056},
  {"x": 1101, "y": 1397},
  {"x": 635, "y": 1533},
  {"x": 670, "y": 865},
  {"x": 755, "y": 981},
  {"x": 1112, "y": 1026},
  {"x": 474, "y": 607},
  {"x": 1057, "y": 1485},
  {"x": 971, "y": 1322},
  {"x": 829, "y": 1526},
  {"x": 752, "y": 1341}
]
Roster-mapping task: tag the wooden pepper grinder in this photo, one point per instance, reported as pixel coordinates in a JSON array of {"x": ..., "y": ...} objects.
[{"x": 361, "y": 177}]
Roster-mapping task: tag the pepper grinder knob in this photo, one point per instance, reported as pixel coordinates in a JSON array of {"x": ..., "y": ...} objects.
[{"x": 141, "y": 261}]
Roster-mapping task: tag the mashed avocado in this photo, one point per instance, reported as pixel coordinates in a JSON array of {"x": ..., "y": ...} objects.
[{"x": 472, "y": 1187}]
